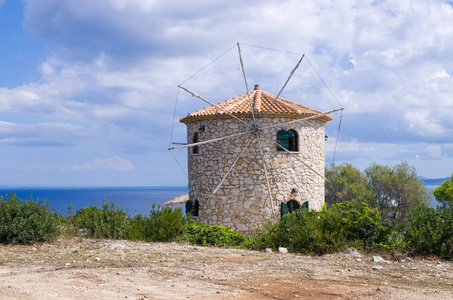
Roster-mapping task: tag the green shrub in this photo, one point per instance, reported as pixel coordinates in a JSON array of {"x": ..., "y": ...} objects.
[
  {"x": 26, "y": 222},
  {"x": 136, "y": 228},
  {"x": 108, "y": 222},
  {"x": 164, "y": 224},
  {"x": 358, "y": 224},
  {"x": 430, "y": 231},
  {"x": 329, "y": 230},
  {"x": 211, "y": 235}
]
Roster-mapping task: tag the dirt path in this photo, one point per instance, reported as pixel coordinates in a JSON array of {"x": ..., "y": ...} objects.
[{"x": 92, "y": 269}]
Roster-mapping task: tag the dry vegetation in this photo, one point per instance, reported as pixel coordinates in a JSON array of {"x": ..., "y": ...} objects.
[{"x": 108, "y": 269}]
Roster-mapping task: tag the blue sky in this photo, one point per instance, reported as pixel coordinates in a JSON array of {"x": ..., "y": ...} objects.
[{"x": 88, "y": 88}]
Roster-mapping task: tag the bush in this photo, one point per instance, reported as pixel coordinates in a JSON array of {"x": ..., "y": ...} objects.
[
  {"x": 164, "y": 224},
  {"x": 26, "y": 222},
  {"x": 430, "y": 231},
  {"x": 108, "y": 222},
  {"x": 329, "y": 230},
  {"x": 136, "y": 228},
  {"x": 211, "y": 235},
  {"x": 360, "y": 225}
]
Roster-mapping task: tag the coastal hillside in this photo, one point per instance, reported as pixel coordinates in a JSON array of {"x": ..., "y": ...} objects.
[{"x": 433, "y": 181}]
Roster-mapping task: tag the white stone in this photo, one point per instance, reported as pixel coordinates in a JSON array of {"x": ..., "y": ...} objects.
[
  {"x": 378, "y": 259},
  {"x": 282, "y": 250},
  {"x": 353, "y": 252}
]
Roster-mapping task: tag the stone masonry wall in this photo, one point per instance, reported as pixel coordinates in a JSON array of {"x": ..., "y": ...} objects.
[{"x": 243, "y": 202}]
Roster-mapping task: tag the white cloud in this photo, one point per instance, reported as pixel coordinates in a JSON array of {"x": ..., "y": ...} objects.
[
  {"x": 423, "y": 123},
  {"x": 47, "y": 70},
  {"x": 431, "y": 158},
  {"x": 434, "y": 151},
  {"x": 113, "y": 163},
  {"x": 40, "y": 134},
  {"x": 112, "y": 66}
]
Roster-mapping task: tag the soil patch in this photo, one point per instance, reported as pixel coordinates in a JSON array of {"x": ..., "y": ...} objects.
[{"x": 101, "y": 269}]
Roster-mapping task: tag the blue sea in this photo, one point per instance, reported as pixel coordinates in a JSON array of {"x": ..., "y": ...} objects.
[
  {"x": 430, "y": 189},
  {"x": 136, "y": 200}
]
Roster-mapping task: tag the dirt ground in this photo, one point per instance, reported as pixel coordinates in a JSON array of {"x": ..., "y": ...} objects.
[{"x": 105, "y": 269}]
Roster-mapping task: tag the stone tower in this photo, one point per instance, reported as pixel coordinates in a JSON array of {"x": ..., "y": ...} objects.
[{"x": 266, "y": 179}]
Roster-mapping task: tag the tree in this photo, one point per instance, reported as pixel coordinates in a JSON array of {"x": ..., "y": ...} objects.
[
  {"x": 379, "y": 178},
  {"x": 444, "y": 193},
  {"x": 396, "y": 190},
  {"x": 346, "y": 183}
]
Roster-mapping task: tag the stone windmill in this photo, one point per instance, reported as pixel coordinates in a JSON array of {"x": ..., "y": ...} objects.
[{"x": 253, "y": 158}]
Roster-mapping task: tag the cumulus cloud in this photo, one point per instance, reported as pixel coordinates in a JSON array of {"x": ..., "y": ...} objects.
[
  {"x": 392, "y": 50},
  {"x": 113, "y": 163},
  {"x": 111, "y": 68},
  {"x": 434, "y": 151}
]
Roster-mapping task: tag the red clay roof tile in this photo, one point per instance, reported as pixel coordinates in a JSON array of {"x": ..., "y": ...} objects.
[{"x": 261, "y": 102}]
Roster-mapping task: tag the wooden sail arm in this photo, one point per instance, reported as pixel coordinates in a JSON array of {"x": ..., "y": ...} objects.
[
  {"x": 298, "y": 158},
  {"x": 281, "y": 90},
  {"x": 215, "y": 105},
  {"x": 246, "y": 85},
  {"x": 232, "y": 166},
  {"x": 211, "y": 140},
  {"x": 302, "y": 119},
  {"x": 269, "y": 195}
]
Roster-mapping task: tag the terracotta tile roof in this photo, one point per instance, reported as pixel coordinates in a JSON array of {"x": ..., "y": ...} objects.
[{"x": 261, "y": 101}]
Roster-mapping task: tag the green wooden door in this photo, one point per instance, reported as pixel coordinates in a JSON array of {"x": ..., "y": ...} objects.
[{"x": 283, "y": 209}]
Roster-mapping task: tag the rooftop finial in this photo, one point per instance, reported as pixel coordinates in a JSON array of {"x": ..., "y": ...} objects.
[{"x": 257, "y": 87}]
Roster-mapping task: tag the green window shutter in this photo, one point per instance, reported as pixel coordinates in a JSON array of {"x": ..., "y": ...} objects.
[
  {"x": 282, "y": 139},
  {"x": 188, "y": 207},
  {"x": 284, "y": 209},
  {"x": 305, "y": 205}
]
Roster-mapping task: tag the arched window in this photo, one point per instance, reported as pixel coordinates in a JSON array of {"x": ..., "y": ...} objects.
[
  {"x": 288, "y": 140},
  {"x": 192, "y": 208},
  {"x": 195, "y": 140}
]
